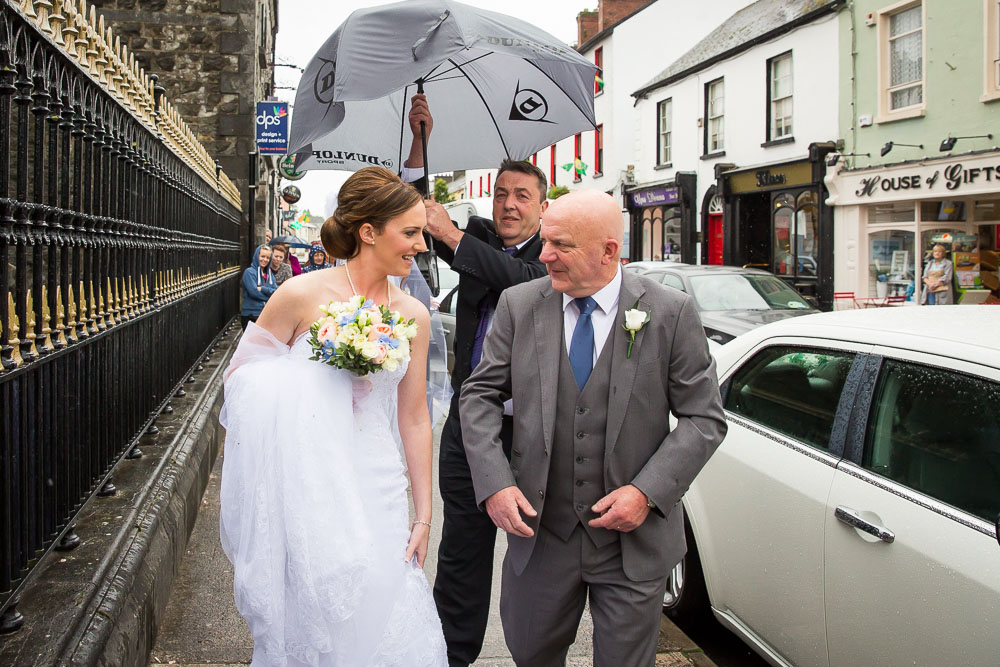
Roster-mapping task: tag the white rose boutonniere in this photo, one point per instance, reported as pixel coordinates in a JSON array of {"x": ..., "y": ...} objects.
[{"x": 635, "y": 320}]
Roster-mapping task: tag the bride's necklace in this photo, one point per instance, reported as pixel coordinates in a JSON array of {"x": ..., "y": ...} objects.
[{"x": 388, "y": 291}]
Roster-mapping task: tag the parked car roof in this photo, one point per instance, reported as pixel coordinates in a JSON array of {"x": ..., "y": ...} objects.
[
  {"x": 644, "y": 266},
  {"x": 963, "y": 332}
]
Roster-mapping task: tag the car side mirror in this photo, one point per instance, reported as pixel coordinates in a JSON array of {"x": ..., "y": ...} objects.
[{"x": 812, "y": 301}]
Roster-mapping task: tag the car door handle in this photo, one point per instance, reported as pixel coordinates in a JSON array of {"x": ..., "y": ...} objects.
[{"x": 853, "y": 519}]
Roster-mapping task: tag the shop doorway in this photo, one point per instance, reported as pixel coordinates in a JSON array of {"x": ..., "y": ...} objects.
[
  {"x": 754, "y": 218},
  {"x": 716, "y": 233}
]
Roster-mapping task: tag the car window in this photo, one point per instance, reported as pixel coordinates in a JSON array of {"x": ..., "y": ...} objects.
[
  {"x": 937, "y": 432},
  {"x": 734, "y": 291},
  {"x": 792, "y": 390},
  {"x": 669, "y": 279}
]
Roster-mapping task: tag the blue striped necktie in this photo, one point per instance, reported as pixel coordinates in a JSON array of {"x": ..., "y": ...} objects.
[{"x": 581, "y": 348}]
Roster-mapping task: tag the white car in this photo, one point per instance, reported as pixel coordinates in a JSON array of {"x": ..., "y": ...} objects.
[{"x": 850, "y": 517}]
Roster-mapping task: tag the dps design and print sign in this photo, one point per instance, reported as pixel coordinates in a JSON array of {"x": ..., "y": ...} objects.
[
  {"x": 967, "y": 175},
  {"x": 272, "y": 128}
]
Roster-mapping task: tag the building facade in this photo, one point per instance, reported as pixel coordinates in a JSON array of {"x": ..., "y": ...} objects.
[
  {"x": 630, "y": 42},
  {"x": 919, "y": 103},
  {"x": 215, "y": 59},
  {"x": 729, "y": 166}
]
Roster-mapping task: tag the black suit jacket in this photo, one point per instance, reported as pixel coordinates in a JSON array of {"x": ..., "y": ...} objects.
[{"x": 484, "y": 272}]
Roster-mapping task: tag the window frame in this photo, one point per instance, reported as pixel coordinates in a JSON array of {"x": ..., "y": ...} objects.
[
  {"x": 885, "y": 112},
  {"x": 771, "y": 101},
  {"x": 598, "y": 150},
  {"x": 991, "y": 53},
  {"x": 720, "y": 148},
  {"x": 577, "y": 155},
  {"x": 599, "y": 62},
  {"x": 661, "y": 159},
  {"x": 552, "y": 166}
]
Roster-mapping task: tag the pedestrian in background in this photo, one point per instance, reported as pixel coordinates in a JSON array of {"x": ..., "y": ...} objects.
[
  {"x": 258, "y": 285},
  {"x": 279, "y": 266},
  {"x": 317, "y": 259},
  {"x": 938, "y": 272}
]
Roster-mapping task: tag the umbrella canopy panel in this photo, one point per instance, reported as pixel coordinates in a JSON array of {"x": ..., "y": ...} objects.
[{"x": 497, "y": 87}]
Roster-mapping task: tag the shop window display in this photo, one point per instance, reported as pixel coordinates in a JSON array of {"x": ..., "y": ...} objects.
[
  {"x": 891, "y": 264},
  {"x": 795, "y": 229}
]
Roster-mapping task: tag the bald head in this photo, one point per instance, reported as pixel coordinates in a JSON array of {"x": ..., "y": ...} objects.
[
  {"x": 582, "y": 234},
  {"x": 593, "y": 212}
]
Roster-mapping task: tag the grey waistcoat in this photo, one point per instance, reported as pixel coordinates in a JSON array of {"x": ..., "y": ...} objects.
[{"x": 576, "y": 471}]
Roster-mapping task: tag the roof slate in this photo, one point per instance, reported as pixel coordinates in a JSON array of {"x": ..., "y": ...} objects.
[{"x": 743, "y": 27}]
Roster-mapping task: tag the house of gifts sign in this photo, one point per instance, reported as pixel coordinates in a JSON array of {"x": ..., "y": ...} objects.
[{"x": 973, "y": 175}]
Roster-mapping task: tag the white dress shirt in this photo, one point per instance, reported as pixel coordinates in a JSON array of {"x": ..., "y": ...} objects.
[{"x": 603, "y": 317}]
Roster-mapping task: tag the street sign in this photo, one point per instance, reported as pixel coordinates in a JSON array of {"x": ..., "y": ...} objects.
[
  {"x": 287, "y": 169},
  {"x": 272, "y": 128},
  {"x": 291, "y": 194}
]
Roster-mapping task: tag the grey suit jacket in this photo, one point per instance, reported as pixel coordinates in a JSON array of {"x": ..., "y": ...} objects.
[{"x": 670, "y": 370}]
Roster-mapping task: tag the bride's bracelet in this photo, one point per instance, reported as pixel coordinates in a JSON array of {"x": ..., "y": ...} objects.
[{"x": 426, "y": 523}]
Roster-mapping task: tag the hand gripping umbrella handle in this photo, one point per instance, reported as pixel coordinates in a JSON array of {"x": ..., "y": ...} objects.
[
  {"x": 441, "y": 19},
  {"x": 423, "y": 146}
]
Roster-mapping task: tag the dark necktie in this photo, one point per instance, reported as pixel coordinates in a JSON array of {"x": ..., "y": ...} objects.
[
  {"x": 486, "y": 308},
  {"x": 581, "y": 348}
]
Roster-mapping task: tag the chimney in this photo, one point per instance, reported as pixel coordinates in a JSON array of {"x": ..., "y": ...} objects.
[
  {"x": 610, "y": 12},
  {"x": 586, "y": 26}
]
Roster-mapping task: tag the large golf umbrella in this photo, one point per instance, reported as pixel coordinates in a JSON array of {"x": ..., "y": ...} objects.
[{"x": 497, "y": 87}]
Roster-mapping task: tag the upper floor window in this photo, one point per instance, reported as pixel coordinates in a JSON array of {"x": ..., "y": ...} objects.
[
  {"x": 599, "y": 150},
  {"x": 715, "y": 111},
  {"x": 991, "y": 90},
  {"x": 664, "y": 122},
  {"x": 902, "y": 60},
  {"x": 599, "y": 76},
  {"x": 779, "y": 89}
]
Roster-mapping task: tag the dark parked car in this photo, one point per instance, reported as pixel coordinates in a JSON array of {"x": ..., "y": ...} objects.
[{"x": 732, "y": 300}]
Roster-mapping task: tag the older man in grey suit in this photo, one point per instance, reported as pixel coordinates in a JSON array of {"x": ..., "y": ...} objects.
[{"x": 590, "y": 495}]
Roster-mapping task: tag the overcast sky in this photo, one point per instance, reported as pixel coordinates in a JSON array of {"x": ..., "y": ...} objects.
[{"x": 302, "y": 29}]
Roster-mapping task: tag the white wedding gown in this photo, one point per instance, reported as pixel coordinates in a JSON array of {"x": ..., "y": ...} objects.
[{"x": 315, "y": 516}]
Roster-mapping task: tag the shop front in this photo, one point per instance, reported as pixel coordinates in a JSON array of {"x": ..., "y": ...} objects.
[
  {"x": 775, "y": 219},
  {"x": 662, "y": 221},
  {"x": 889, "y": 219}
]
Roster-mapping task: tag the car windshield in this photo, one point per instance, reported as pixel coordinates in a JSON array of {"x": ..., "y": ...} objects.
[
  {"x": 448, "y": 278},
  {"x": 734, "y": 291}
]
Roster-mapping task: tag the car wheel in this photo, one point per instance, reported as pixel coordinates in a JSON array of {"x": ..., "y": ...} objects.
[{"x": 686, "y": 595}]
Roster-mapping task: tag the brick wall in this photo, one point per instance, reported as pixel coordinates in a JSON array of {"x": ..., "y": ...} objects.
[
  {"x": 611, "y": 12},
  {"x": 586, "y": 26}
]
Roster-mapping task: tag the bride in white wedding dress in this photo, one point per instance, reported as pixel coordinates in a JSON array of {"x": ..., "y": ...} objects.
[{"x": 315, "y": 517}]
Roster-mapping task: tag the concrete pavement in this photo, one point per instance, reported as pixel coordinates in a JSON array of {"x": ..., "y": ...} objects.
[{"x": 202, "y": 627}]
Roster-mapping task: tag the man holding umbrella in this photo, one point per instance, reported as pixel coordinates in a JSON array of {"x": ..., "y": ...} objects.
[{"x": 489, "y": 256}]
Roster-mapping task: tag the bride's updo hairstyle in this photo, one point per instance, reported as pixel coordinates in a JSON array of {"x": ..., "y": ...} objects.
[{"x": 374, "y": 195}]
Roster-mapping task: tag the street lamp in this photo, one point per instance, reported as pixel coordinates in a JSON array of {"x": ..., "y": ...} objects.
[
  {"x": 949, "y": 143},
  {"x": 889, "y": 145}
]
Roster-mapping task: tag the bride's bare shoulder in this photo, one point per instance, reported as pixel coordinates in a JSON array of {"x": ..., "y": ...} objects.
[
  {"x": 409, "y": 307},
  {"x": 295, "y": 305}
]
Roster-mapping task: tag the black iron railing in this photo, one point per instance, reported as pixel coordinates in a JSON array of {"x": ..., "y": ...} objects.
[{"x": 119, "y": 265}]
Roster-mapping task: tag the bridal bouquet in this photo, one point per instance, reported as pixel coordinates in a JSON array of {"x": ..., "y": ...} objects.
[{"x": 361, "y": 337}]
